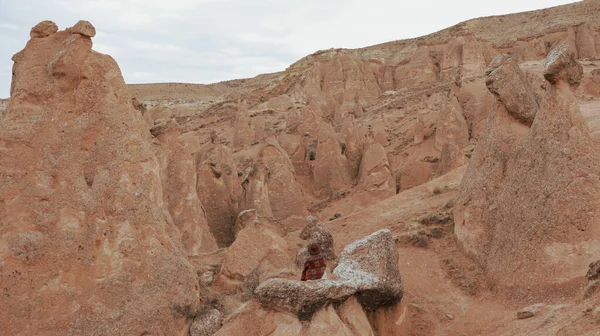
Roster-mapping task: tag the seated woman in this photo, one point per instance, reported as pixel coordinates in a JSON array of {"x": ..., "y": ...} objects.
[{"x": 314, "y": 266}]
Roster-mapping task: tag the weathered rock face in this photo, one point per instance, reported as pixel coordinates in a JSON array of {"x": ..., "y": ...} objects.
[
  {"x": 508, "y": 83},
  {"x": 178, "y": 170},
  {"x": 451, "y": 136},
  {"x": 371, "y": 266},
  {"x": 207, "y": 323},
  {"x": 375, "y": 174},
  {"x": 286, "y": 197},
  {"x": 86, "y": 246},
  {"x": 219, "y": 191},
  {"x": 529, "y": 198},
  {"x": 3, "y": 106},
  {"x": 366, "y": 294},
  {"x": 257, "y": 248},
  {"x": 368, "y": 269},
  {"x": 330, "y": 169},
  {"x": 314, "y": 232},
  {"x": 242, "y": 126},
  {"x": 562, "y": 64}
]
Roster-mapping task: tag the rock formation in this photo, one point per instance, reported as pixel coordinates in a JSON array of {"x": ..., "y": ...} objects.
[
  {"x": 375, "y": 176},
  {"x": 368, "y": 281},
  {"x": 530, "y": 195},
  {"x": 315, "y": 233},
  {"x": 244, "y": 133},
  {"x": 219, "y": 191},
  {"x": 179, "y": 189},
  {"x": 87, "y": 247}
]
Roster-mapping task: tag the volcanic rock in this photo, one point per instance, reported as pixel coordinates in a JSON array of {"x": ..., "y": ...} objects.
[
  {"x": 508, "y": 83},
  {"x": 285, "y": 196},
  {"x": 179, "y": 190},
  {"x": 43, "y": 29},
  {"x": 219, "y": 191},
  {"x": 533, "y": 191},
  {"x": 315, "y": 232},
  {"x": 375, "y": 176},
  {"x": 88, "y": 248},
  {"x": 368, "y": 269},
  {"x": 207, "y": 323},
  {"x": 83, "y": 28},
  {"x": 562, "y": 64}
]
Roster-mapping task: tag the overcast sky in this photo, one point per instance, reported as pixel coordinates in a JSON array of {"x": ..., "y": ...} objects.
[{"x": 206, "y": 41}]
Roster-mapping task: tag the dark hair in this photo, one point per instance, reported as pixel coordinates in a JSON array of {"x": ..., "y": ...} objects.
[{"x": 314, "y": 249}]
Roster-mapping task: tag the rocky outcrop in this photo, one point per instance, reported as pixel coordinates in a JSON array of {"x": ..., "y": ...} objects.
[
  {"x": 259, "y": 249},
  {"x": 314, "y": 232},
  {"x": 178, "y": 170},
  {"x": 329, "y": 169},
  {"x": 510, "y": 86},
  {"x": 352, "y": 139},
  {"x": 285, "y": 196},
  {"x": 451, "y": 136},
  {"x": 207, "y": 323},
  {"x": 368, "y": 269},
  {"x": 43, "y": 29},
  {"x": 219, "y": 191},
  {"x": 86, "y": 245},
  {"x": 242, "y": 126},
  {"x": 534, "y": 191},
  {"x": 562, "y": 64},
  {"x": 375, "y": 176},
  {"x": 366, "y": 293}
]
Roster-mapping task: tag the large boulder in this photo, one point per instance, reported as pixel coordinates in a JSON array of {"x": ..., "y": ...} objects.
[
  {"x": 207, "y": 322},
  {"x": 86, "y": 247},
  {"x": 562, "y": 64},
  {"x": 509, "y": 84},
  {"x": 258, "y": 248},
  {"x": 316, "y": 233},
  {"x": 368, "y": 269}
]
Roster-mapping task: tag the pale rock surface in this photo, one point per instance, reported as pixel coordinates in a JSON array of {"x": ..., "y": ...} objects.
[
  {"x": 451, "y": 136},
  {"x": 586, "y": 41},
  {"x": 562, "y": 64},
  {"x": 255, "y": 194},
  {"x": 251, "y": 319},
  {"x": 353, "y": 315},
  {"x": 330, "y": 169},
  {"x": 207, "y": 323},
  {"x": 316, "y": 233},
  {"x": 85, "y": 243},
  {"x": 353, "y": 143}
]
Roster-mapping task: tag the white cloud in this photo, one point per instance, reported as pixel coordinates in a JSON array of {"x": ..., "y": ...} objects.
[{"x": 205, "y": 41}]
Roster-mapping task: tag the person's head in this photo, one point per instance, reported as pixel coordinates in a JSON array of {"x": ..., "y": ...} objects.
[{"x": 314, "y": 249}]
